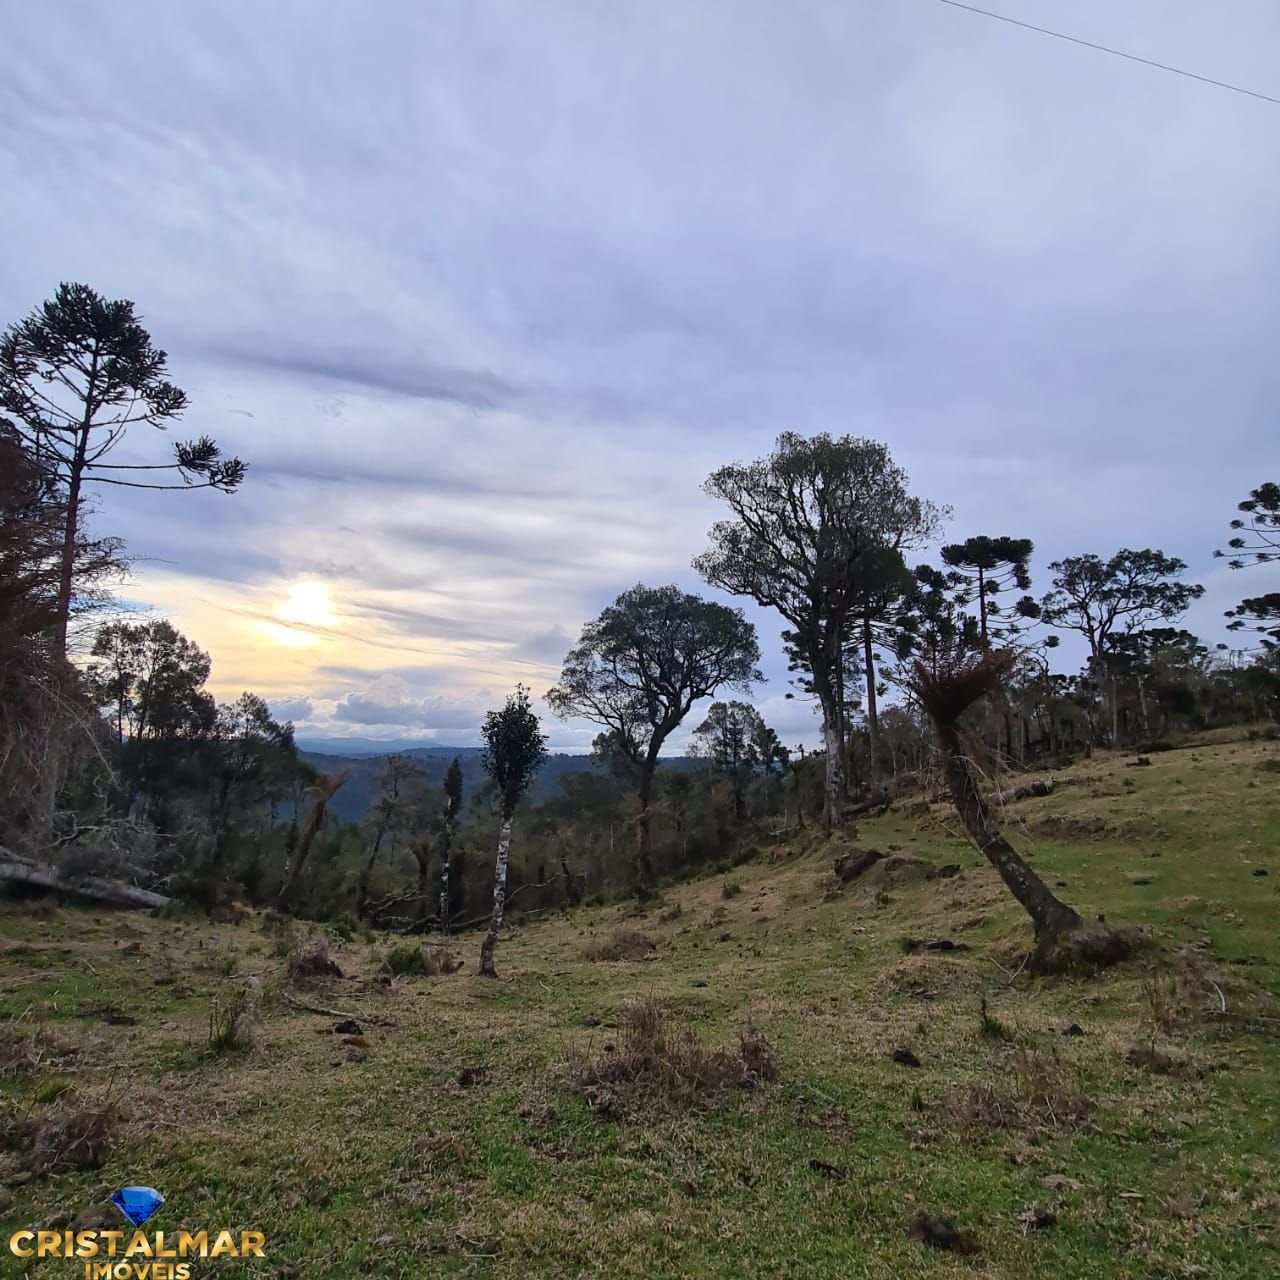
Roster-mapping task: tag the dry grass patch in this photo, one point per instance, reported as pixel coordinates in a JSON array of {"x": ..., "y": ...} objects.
[
  {"x": 75, "y": 1133},
  {"x": 1040, "y": 1091},
  {"x": 653, "y": 1069},
  {"x": 310, "y": 958},
  {"x": 622, "y": 944},
  {"x": 27, "y": 1046}
]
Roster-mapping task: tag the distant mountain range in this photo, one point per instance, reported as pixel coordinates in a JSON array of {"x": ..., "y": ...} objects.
[{"x": 361, "y": 759}]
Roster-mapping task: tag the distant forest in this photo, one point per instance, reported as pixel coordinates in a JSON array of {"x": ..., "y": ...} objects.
[{"x": 119, "y": 765}]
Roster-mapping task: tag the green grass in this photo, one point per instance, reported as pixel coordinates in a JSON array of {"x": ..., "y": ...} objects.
[{"x": 378, "y": 1162}]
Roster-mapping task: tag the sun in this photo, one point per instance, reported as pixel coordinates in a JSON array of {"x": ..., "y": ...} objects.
[{"x": 307, "y": 603}]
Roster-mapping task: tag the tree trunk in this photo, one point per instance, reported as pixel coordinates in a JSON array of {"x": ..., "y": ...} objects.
[
  {"x": 43, "y": 876},
  {"x": 66, "y": 570},
  {"x": 833, "y": 783},
  {"x": 445, "y": 871},
  {"x": 323, "y": 791},
  {"x": 873, "y": 721},
  {"x": 644, "y": 856},
  {"x": 487, "y": 969},
  {"x": 1062, "y": 936},
  {"x": 1050, "y": 918}
]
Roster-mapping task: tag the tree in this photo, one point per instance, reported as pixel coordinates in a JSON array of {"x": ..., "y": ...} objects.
[
  {"x": 639, "y": 668},
  {"x": 452, "y": 804},
  {"x": 987, "y": 568},
  {"x": 254, "y": 755},
  {"x": 1062, "y": 936},
  {"x": 322, "y": 791},
  {"x": 515, "y": 748},
  {"x": 809, "y": 522},
  {"x": 75, "y": 375},
  {"x": 1260, "y": 544},
  {"x": 389, "y": 815},
  {"x": 149, "y": 679},
  {"x": 47, "y": 726},
  {"x": 885, "y": 591},
  {"x": 725, "y": 738},
  {"x": 1105, "y": 599}
]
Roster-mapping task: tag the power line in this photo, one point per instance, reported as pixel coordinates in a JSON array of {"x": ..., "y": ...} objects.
[{"x": 1102, "y": 48}]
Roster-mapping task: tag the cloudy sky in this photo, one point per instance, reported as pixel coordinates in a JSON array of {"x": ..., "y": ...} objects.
[{"x": 483, "y": 291}]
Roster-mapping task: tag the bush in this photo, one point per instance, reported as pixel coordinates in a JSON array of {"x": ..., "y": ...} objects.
[
  {"x": 416, "y": 959},
  {"x": 233, "y": 1016},
  {"x": 623, "y": 944},
  {"x": 653, "y": 1070},
  {"x": 309, "y": 958},
  {"x": 730, "y": 889}
]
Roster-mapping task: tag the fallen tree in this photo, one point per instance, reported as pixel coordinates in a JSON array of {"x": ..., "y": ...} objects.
[
  {"x": 44, "y": 875},
  {"x": 1063, "y": 937}
]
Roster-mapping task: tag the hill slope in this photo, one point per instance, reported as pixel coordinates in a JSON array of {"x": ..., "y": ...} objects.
[{"x": 454, "y": 1142}]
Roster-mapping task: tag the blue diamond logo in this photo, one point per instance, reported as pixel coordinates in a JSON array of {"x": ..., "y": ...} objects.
[{"x": 137, "y": 1203}]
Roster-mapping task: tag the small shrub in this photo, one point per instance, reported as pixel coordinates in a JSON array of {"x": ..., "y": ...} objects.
[
  {"x": 1043, "y": 1093},
  {"x": 990, "y": 1028},
  {"x": 75, "y": 1133},
  {"x": 730, "y": 889},
  {"x": 671, "y": 914},
  {"x": 309, "y": 958},
  {"x": 416, "y": 959},
  {"x": 622, "y": 944},
  {"x": 52, "y": 1089},
  {"x": 233, "y": 1016},
  {"x": 653, "y": 1070}
]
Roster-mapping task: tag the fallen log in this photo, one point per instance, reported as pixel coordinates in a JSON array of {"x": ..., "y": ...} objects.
[{"x": 42, "y": 875}]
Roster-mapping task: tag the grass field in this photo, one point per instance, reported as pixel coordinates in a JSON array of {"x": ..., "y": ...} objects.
[{"x": 455, "y": 1143}]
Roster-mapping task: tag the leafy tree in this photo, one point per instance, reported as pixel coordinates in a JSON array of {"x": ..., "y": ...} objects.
[
  {"x": 75, "y": 375},
  {"x": 390, "y": 814},
  {"x": 515, "y": 748},
  {"x": 987, "y": 568},
  {"x": 149, "y": 679},
  {"x": 1106, "y": 599},
  {"x": 255, "y": 757},
  {"x": 725, "y": 738},
  {"x": 809, "y": 523},
  {"x": 639, "y": 668},
  {"x": 1258, "y": 544}
]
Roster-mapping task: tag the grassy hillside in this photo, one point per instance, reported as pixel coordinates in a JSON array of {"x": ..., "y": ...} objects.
[{"x": 454, "y": 1140}]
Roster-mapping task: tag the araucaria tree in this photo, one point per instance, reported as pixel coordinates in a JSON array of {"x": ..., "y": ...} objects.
[
  {"x": 639, "y": 668},
  {"x": 75, "y": 375},
  {"x": 1105, "y": 600},
  {"x": 1256, "y": 541},
  {"x": 985, "y": 569},
  {"x": 811, "y": 525},
  {"x": 514, "y": 750}
]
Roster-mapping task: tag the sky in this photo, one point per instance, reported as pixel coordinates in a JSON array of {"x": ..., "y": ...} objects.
[{"x": 482, "y": 291}]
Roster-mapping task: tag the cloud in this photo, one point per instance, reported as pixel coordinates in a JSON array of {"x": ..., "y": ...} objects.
[{"x": 483, "y": 297}]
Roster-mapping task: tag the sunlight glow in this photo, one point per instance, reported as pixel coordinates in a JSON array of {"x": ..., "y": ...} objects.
[{"x": 309, "y": 604}]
